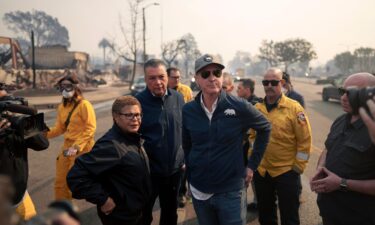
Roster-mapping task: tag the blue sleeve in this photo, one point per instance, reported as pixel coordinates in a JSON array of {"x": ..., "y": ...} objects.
[
  {"x": 255, "y": 120},
  {"x": 186, "y": 139}
]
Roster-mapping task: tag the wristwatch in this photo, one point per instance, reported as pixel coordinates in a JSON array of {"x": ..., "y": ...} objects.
[{"x": 343, "y": 185}]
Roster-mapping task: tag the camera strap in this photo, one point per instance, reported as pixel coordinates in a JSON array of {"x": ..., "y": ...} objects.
[{"x": 67, "y": 121}]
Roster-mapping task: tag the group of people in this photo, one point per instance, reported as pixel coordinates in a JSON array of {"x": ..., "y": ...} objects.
[{"x": 217, "y": 144}]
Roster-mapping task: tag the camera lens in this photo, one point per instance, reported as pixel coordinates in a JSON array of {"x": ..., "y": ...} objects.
[{"x": 358, "y": 97}]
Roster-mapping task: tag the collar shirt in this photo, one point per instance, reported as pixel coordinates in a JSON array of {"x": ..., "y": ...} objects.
[
  {"x": 208, "y": 113},
  {"x": 350, "y": 152},
  {"x": 162, "y": 97},
  {"x": 196, "y": 193},
  {"x": 350, "y": 155}
]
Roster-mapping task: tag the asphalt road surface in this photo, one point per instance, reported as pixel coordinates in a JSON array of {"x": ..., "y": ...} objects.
[{"x": 321, "y": 115}]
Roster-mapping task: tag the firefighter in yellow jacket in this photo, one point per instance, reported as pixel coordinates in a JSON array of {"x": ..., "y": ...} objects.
[
  {"x": 286, "y": 156},
  {"x": 76, "y": 120},
  {"x": 174, "y": 77}
]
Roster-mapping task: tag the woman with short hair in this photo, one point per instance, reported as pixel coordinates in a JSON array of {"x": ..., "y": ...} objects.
[{"x": 115, "y": 174}]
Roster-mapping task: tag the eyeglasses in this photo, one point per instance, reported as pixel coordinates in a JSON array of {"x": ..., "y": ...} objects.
[
  {"x": 206, "y": 73},
  {"x": 342, "y": 91},
  {"x": 131, "y": 116},
  {"x": 273, "y": 82}
]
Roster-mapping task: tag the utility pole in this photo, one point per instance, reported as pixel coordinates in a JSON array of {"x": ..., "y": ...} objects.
[
  {"x": 33, "y": 58},
  {"x": 144, "y": 30},
  {"x": 144, "y": 35}
]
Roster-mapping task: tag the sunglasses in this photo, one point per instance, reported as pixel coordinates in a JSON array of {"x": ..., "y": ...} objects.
[
  {"x": 342, "y": 91},
  {"x": 273, "y": 82},
  {"x": 131, "y": 116},
  {"x": 206, "y": 73}
]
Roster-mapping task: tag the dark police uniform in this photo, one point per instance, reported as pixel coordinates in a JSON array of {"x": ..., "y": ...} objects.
[{"x": 350, "y": 155}]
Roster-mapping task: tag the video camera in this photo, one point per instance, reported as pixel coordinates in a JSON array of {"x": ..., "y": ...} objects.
[
  {"x": 358, "y": 97},
  {"x": 25, "y": 121}
]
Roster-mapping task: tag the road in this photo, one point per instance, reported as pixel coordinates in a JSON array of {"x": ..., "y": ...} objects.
[{"x": 321, "y": 115}]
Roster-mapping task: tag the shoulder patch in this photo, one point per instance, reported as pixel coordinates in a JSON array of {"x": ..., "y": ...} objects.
[{"x": 301, "y": 117}]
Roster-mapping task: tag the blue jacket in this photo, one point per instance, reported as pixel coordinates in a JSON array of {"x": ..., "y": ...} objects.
[
  {"x": 213, "y": 149},
  {"x": 161, "y": 130},
  {"x": 296, "y": 96}
]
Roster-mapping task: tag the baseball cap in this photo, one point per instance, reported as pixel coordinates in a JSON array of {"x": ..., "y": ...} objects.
[{"x": 206, "y": 60}]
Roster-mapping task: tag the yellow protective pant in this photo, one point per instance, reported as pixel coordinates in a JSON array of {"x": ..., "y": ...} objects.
[
  {"x": 26, "y": 208},
  {"x": 63, "y": 165}
]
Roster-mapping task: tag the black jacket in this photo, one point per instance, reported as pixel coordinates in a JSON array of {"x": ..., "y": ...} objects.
[
  {"x": 14, "y": 162},
  {"x": 117, "y": 167},
  {"x": 161, "y": 129},
  {"x": 254, "y": 99}
]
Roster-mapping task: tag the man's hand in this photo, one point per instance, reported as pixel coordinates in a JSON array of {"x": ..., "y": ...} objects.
[
  {"x": 249, "y": 176},
  {"x": 319, "y": 174},
  {"x": 71, "y": 151},
  {"x": 370, "y": 123},
  {"x": 324, "y": 181},
  {"x": 108, "y": 206},
  {"x": 4, "y": 124}
]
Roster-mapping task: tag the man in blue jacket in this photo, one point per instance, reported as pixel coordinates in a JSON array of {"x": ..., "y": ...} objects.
[
  {"x": 289, "y": 91},
  {"x": 214, "y": 125},
  {"x": 161, "y": 130}
]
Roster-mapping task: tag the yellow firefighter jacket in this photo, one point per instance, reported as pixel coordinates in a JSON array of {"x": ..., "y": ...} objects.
[
  {"x": 185, "y": 91},
  {"x": 290, "y": 142}
]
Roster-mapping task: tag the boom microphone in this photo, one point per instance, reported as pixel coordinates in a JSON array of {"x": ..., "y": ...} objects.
[{"x": 17, "y": 108}]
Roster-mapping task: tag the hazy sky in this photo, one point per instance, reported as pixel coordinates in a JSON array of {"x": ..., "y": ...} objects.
[{"x": 219, "y": 26}]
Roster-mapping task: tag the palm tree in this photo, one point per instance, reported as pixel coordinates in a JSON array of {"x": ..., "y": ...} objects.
[{"x": 104, "y": 43}]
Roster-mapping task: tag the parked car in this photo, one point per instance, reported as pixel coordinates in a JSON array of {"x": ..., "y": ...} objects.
[
  {"x": 332, "y": 91},
  {"x": 138, "y": 85}
]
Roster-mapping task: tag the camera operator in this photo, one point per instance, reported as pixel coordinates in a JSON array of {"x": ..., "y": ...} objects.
[
  {"x": 345, "y": 176},
  {"x": 13, "y": 157}
]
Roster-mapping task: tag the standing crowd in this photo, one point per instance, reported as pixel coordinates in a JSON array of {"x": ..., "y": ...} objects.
[{"x": 164, "y": 143}]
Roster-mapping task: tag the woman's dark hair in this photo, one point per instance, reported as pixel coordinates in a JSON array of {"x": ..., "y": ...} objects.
[
  {"x": 77, "y": 91},
  {"x": 123, "y": 101}
]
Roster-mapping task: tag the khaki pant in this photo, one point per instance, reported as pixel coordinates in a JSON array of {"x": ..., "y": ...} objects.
[{"x": 26, "y": 208}]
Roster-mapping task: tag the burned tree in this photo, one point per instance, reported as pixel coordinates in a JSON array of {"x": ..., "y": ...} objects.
[
  {"x": 131, "y": 37},
  {"x": 47, "y": 29},
  {"x": 171, "y": 50}
]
